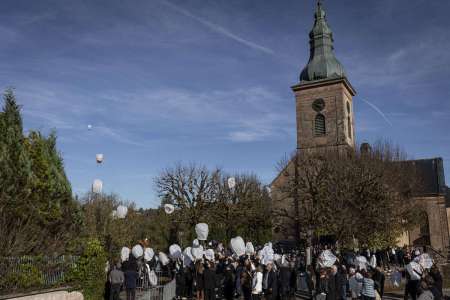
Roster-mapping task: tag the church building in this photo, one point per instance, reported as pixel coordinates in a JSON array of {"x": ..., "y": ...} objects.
[{"x": 325, "y": 120}]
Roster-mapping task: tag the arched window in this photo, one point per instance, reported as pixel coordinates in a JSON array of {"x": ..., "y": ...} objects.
[
  {"x": 349, "y": 121},
  {"x": 319, "y": 125}
]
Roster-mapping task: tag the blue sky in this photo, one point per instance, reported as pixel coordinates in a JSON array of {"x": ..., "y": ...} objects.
[{"x": 166, "y": 81}]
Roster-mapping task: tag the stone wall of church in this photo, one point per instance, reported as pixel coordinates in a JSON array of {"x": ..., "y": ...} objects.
[
  {"x": 437, "y": 223},
  {"x": 336, "y": 96}
]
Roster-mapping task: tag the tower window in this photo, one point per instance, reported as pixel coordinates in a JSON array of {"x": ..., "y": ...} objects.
[
  {"x": 349, "y": 127},
  {"x": 319, "y": 125},
  {"x": 349, "y": 121}
]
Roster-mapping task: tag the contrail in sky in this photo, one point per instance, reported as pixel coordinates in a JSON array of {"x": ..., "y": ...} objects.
[
  {"x": 219, "y": 29},
  {"x": 378, "y": 111}
]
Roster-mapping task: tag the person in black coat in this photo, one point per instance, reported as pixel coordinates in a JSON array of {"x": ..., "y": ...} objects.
[
  {"x": 334, "y": 284},
  {"x": 379, "y": 278},
  {"x": 228, "y": 284},
  {"x": 285, "y": 280},
  {"x": 437, "y": 281},
  {"x": 270, "y": 283},
  {"x": 209, "y": 281}
]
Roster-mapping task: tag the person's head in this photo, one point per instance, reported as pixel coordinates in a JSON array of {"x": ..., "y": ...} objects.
[
  {"x": 427, "y": 282},
  {"x": 334, "y": 269},
  {"x": 259, "y": 269},
  {"x": 269, "y": 266},
  {"x": 434, "y": 269}
]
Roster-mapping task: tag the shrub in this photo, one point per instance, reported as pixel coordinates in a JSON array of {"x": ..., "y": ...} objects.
[{"x": 89, "y": 273}]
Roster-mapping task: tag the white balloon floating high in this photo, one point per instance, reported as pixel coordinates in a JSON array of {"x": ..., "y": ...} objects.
[
  {"x": 122, "y": 211},
  {"x": 231, "y": 182},
  {"x": 89, "y": 127},
  {"x": 97, "y": 186},
  {"x": 99, "y": 158},
  {"x": 202, "y": 230},
  {"x": 169, "y": 208}
]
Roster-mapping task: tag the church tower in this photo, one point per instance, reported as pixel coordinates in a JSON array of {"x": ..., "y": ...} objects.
[{"x": 324, "y": 95}]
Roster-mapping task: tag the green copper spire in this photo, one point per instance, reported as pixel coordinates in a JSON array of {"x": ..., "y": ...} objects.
[{"x": 322, "y": 62}]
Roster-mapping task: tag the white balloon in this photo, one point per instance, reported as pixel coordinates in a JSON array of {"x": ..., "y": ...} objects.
[
  {"x": 148, "y": 254},
  {"x": 97, "y": 186},
  {"x": 249, "y": 249},
  {"x": 202, "y": 231},
  {"x": 238, "y": 246},
  {"x": 209, "y": 254},
  {"x": 169, "y": 208},
  {"x": 175, "y": 251},
  {"x": 197, "y": 252},
  {"x": 137, "y": 251},
  {"x": 89, "y": 127},
  {"x": 373, "y": 261},
  {"x": 124, "y": 254},
  {"x": 327, "y": 259},
  {"x": 426, "y": 261},
  {"x": 361, "y": 262},
  {"x": 195, "y": 243},
  {"x": 122, "y": 211},
  {"x": 163, "y": 258},
  {"x": 267, "y": 254},
  {"x": 187, "y": 256},
  {"x": 99, "y": 158},
  {"x": 231, "y": 182}
]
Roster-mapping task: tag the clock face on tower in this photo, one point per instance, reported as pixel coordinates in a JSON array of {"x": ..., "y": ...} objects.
[{"x": 318, "y": 105}]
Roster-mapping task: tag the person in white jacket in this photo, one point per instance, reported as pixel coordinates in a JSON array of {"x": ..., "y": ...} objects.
[{"x": 257, "y": 284}]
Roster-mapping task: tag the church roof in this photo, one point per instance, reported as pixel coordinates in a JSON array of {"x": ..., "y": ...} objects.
[
  {"x": 322, "y": 63},
  {"x": 431, "y": 176}
]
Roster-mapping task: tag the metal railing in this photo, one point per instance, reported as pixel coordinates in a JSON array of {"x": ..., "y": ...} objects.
[
  {"x": 164, "y": 289},
  {"x": 18, "y": 273}
]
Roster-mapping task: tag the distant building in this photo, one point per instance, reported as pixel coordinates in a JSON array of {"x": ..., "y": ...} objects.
[{"x": 325, "y": 119}]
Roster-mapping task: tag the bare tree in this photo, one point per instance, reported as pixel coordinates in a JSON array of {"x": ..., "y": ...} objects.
[{"x": 351, "y": 195}]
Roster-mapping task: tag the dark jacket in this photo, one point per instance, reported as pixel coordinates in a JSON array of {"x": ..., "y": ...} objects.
[
  {"x": 209, "y": 279},
  {"x": 272, "y": 283},
  {"x": 131, "y": 277},
  {"x": 334, "y": 287},
  {"x": 285, "y": 279}
]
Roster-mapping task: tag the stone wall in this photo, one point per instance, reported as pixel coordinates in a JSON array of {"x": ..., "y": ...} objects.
[
  {"x": 437, "y": 222},
  {"x": 56, "y": 295},
  {"x": 336, "y": 97}
]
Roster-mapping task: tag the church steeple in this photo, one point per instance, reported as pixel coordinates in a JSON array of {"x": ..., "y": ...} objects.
[{"x": 322, "y": 62}]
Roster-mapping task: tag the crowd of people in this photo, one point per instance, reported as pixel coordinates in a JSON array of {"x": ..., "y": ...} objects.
[{"x": 255, "y": 275}]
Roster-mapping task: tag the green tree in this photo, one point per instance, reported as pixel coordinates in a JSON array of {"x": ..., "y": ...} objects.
[
  {"x": 37, "y": 212},
  {"x": 16, "y": 180}
]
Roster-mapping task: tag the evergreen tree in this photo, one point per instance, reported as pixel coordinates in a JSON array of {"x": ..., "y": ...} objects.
[{"x": 37, "y": 212}]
